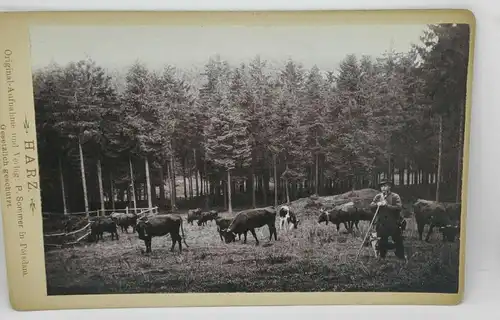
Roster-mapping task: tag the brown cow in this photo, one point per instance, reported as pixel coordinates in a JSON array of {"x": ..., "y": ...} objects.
[
  {"x": 101, "y": 225},
  {"x": 158, "y": 226},
  {"x": 249, "y": 220},
  {"x": 436, "y": 214},
  {"x": 222, "y": 224},
  {"x": 344, "y": 213},
  {"x": 207, "y": 216},
  {"x": 193, "y": 214},
  {"x": 126, "y": 220}
]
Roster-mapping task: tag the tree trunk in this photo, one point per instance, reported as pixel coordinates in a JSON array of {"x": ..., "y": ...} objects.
[
  {"x": 63, "y": 190},
  {"x": 84, "y": 183},
  {"x": 275, "y": 183},
  {"x": 190, "y": 182},
  {"x": 229, "y": 184},
  {"x": 101, "y": 189},
  {"x": 286, "y": 186},
  {"x": 316, "y": 179},
  {"x": 162, "y": 186},
  {"x": 184, "y": 178},
  {"x": 196, "y": 173},
  {"x": 440, "y": 153},
  {"x": 172, "y": 182},
  {"x": 207, "y": 186},
  {"x": 254, "y": 204},
  {"x": 112, "y": 190},
  {"x": 148, "y": 183},
  {"x": 132, "y": 184}
]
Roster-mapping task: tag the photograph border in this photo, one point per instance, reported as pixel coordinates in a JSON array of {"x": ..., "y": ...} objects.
[{"x": 22, "y": 223}]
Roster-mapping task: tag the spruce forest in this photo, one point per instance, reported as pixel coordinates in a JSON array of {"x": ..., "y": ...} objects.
[{"x": 253, "y": 134}]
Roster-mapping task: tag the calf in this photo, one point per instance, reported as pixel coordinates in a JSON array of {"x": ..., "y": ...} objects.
[
  {"x": 101, "y": 225},
  {"x": 207, "y": 216},
  {"x": 435, "y": 214},
  {"x": 249, "y": 220},
  {"x": 158, "y": 226},
  {"x": 193, "y": 214},
  {"x": 287, "y": 216}
]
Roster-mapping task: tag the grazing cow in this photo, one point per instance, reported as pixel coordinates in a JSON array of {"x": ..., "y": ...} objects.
[
  {"x": 101, "y": 225},
  {"x": 158, "y": 226},
  {"x": 125, "y": 220},
  {"x": 344, "y": 213},
  {"x": 207, "y": 216},
  {"x": 222, "y": 224},
  {"x": 249, "y": 220},
  {"x": 436, "y": 214},
  {"x": 287, "y": 216},
  {"x": 193, "y": 214}
]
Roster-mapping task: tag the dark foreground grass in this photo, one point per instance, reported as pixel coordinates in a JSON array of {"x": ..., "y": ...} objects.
[{"x": 311, "y": 258}]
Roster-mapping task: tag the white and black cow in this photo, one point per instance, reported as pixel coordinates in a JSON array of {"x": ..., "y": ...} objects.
[{"x": 287, "y": 216}]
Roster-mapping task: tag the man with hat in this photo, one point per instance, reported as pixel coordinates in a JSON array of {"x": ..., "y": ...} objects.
[{"x": 388, "y": 220}]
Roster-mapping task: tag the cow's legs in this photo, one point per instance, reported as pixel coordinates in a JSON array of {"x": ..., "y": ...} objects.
[
  {"x": 255, "y": 236},
  {"x": 245, "y": 235},
  {"x": 431, "y": 229},
  {"x": 420, "y": 228},
  {"x": 272, "y": 230},
  {"x": 148, "y": 245}
]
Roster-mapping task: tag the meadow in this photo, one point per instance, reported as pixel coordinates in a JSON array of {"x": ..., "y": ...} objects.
[{"x": 313, "y": 257}]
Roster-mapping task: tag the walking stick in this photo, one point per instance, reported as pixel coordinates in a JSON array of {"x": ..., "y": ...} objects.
[{"x": 367, "y": 231}]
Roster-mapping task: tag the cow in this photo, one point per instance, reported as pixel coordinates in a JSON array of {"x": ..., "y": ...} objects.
[
  {"x": 126, "y": 220},
  {"x": 158, "y": 226},
  {"x": 286, "y": 215},
  {"x": 193, "y": 214},
  {"x": 101, "y": 225},
  {"x": 249, "y": 220},
  {"x": 344, "y": 213},
  {"x": 446, "y": 216},
  {"x": 222, "y": 224},
  {"x": 207, "y": 216}
]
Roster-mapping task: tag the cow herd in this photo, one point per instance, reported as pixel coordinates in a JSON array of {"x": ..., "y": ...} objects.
[{"x": 445, "y": 216}]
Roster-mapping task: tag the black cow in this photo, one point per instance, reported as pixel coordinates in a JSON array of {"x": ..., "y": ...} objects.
[
  {"x": 207, "y": 216},
  {"x": 344, "y": 213},
  {"x": 222, "y": 224},
  {"x": 126, "y": 220},
  {"x": 249, "y": 220},
  {"x": 101, "y": 225},
  {"x": 287, "y": 216},
  {"x": 193, "y": 214},
  {"x": 437, "y": 214},
  {"x": 158, "y": 226}
]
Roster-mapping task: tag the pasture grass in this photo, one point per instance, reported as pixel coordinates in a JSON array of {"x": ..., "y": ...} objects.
[{"x": 311, "y": 258}]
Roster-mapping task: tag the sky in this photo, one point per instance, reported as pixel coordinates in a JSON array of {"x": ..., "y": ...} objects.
[{"x": 190, "y": 47}]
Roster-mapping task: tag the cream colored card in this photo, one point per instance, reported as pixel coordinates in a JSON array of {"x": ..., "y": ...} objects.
[{"x": 117, "y": 126}]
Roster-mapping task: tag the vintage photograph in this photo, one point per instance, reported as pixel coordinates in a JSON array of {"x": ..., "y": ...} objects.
[{"x": 185, "y": 159}]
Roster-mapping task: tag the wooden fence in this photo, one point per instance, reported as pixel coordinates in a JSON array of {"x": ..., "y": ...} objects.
[{"x": 64, "y": 239}]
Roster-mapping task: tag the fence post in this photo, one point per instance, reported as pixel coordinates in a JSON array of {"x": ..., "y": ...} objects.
[{"x": 126, "y": 209}]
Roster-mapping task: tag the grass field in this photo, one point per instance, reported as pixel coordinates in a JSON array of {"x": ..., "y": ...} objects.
[{"x": 311, "y": 258}]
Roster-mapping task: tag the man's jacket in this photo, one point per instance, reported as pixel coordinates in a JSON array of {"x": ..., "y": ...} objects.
[{"x": 388, "y": 216}]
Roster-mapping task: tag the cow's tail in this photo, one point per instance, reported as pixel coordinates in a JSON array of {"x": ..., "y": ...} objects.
[{"x": 183, "y": 235}]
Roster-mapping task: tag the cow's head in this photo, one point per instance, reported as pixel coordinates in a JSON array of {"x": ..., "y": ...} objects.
[
  {"x": 449, "y": 232},
  {"x": 323, "y": 215},
  {"x": 229, "y": 236},
  {"x": 141, "y": 227}
]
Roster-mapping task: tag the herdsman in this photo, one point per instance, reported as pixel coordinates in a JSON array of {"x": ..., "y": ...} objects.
[{"x": 388, "y": 220}]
